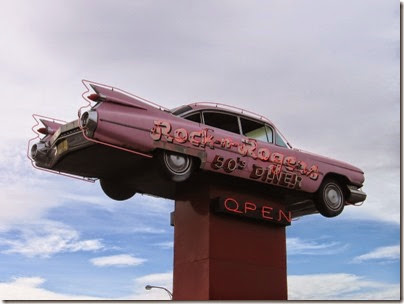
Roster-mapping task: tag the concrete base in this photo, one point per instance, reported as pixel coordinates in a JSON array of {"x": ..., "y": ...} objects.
[{"x": 223, "y": 257}]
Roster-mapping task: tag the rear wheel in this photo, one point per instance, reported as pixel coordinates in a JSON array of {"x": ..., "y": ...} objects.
[
  {"x": 176, "y": 167},
  {"x": 330, "y": 198},
  {"x": 116, "y": 190}
]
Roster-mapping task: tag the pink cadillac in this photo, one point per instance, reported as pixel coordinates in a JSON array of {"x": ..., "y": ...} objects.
[{"x": 124, "y": 140}]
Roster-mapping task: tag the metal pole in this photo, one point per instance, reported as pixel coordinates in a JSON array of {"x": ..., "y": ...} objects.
[{"x": 148, "y": 287}]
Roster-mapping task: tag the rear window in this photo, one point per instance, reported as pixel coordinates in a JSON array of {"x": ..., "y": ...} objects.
[
  {"x": 196, "y": 117},
  {"x": 222, "y": 121}
]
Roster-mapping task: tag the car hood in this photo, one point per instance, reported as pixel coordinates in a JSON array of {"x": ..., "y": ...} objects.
[{"x": 330, "y": 161}]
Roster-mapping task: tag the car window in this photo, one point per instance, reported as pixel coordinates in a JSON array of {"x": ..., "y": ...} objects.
[
  {"x": 256, "y": 130},
  {"x": 269, "y": 134},
  {"x": 280, "y": 142},
  {"x": 196, "y": 117},
  {"x": 222, "y": 121}
]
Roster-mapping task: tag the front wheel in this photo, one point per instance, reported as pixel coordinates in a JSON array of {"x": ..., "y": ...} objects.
[
  {"x": 330, "y": 199},
  {"x": 116, "y": 190},
  {"x": 176, "y": 167}
]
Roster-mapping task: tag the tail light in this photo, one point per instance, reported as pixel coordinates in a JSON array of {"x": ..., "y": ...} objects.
[
  {"x": 43, "y": 131},
  {"x": 47, "y": 130},
  {"x": 93, "y": 97}
]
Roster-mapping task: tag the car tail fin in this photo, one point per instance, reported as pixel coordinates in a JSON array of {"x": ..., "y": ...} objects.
[
  {"x": 49, "y": 128},
  {"x": 115, "y": 96}
]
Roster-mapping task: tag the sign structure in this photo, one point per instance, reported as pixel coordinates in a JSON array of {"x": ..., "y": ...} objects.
[
  {"x": 229, "y": 243},
  {"x": 229, "y": 237},
  {"x": 252, "y": 210}
]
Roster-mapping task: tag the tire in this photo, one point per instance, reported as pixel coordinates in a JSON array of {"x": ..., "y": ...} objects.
[
  {"x": 116, "y": 190},
  {"x": 176, "y": 167},
  {"x": 330, "y": 199}
]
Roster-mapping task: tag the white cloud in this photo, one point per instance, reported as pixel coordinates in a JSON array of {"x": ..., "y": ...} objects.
[
  {"x": 155, "y": 278},
  {"x": 27, "y": 194},
  {"x": 332, "y": 286},
  {"x": 165, "y": 245},
  {"x": 46, "y": 239},
  {"x": 117, "y": 260},
  {"x": 298, "y": 246},
  {"x": 29, "y": 288},
  {"x": 339, "y": 286},
  {"x": 28, "y": 281},
  {"x": 383, "y": 196},
  {"x": 381, "y": 253},
  {"x": 141, "y": 228}
]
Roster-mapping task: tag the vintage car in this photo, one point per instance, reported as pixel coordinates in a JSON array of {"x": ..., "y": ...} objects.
[{"x": 122, "y": 137}]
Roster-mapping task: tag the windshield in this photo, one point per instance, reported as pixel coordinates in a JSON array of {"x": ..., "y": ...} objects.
[{"x": 281, "y": 140}]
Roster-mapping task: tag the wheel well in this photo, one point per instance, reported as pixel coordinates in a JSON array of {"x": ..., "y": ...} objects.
[
  {"x": 341, "y": 179},
  {"x": 198, "y": 162}
]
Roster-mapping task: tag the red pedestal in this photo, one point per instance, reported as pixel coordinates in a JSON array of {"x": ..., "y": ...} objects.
[{"x": 225, "y": 257}]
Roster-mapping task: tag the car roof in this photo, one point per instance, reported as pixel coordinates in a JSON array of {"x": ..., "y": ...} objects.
[
  {"x": 200, "y": 106},
  {"x": 226, "y": 108}
]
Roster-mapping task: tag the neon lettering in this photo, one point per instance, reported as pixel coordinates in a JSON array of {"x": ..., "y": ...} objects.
[
  {"x": 265, "y": 212},
  {"x": 207, "y": 139},
  {"x": 226, "y": 205},
  {"x": 217, "y": 162},
  {"x": 273, "y": 174},
  {"x": 248, "y": 147},
  {"x": 263, "y": 154},
  {"x": 195, "y": 138},
  {"x": 253, "y": 210},
  {"x": 313, "y": 172},
  {"x": 302, "y": 167},
  {"x": 287, "y": 217},
  {"x": 256, "y": 172},
  {"x": 289, "y": 162},
  {"x": 180, "y": 135},
  {"x": 226, "y": 143},
  {"x": 276, "y": 158},
  {"x": 230, "y": 165},
  {"x": 248, "y": 206},
  {"x": 298, "y": 184},
  {"x": 240, "y": 163}
]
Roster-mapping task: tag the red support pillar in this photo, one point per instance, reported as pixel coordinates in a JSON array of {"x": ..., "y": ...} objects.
[{"x": 225, "y": 257}]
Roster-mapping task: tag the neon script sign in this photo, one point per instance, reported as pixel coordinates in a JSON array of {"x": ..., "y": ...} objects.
[
  {"x": 252, "y": 210},
  {"x": 273, "y": 174}
]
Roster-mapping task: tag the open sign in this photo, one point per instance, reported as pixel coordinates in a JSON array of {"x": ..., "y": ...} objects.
[{"x": 252, "y": 210}]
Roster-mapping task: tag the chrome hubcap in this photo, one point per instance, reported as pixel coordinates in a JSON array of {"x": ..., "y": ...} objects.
[
  {"x": 333, "y": 196},
  {"x": 177, "y": 163}
]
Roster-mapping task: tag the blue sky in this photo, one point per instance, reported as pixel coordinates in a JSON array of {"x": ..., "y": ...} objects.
[{"x": 325, "y": 72}]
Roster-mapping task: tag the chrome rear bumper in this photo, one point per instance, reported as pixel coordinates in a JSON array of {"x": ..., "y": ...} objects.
[{"x": 67, "y": 138}]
